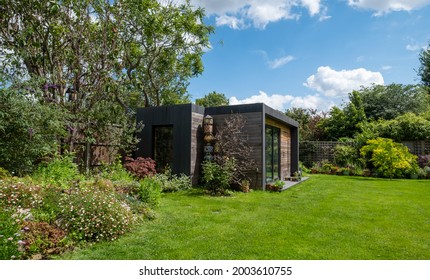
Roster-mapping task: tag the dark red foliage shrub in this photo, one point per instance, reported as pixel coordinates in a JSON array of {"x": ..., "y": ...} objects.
[
  {"x": 140, "y": 167},
  {"x": 43, "y": 239}
]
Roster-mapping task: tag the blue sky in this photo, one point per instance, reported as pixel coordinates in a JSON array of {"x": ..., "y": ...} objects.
[{"x": 310, "y": 53}]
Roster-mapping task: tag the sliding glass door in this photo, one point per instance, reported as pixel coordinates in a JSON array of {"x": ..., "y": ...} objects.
[{"x": 272, "y": 153}]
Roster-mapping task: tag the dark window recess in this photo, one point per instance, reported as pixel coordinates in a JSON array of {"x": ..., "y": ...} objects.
[
  {"x": 163, "y": 147},
  {"x": 272, "y": 153}
]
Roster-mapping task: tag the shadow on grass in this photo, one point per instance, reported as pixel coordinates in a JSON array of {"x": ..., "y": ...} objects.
[
  {"x": 362, "y": 178},
  {"x": 194, "y": 192},
  {"x": 370, "y": 179},
  {"x": 377, "y": 179}
]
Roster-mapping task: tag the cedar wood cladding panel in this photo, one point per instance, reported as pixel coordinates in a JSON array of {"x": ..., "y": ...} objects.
[
  {"x": 285, "y": 146},
  {"x": 196, "y": 146},
  {"x": 253, "y": 132}
]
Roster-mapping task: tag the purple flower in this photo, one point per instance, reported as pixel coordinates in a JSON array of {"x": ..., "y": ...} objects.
[{"x": 423, "y": 160}]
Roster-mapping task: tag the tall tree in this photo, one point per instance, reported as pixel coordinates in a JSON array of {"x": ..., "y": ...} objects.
[
  {"x": 213, "y": 99},
  {"x": 98, "y": 59},
  {"x": 344, "y": 122},
  {"x": 308, "y": 123},
  {"x": 66, "y": 48},
  {"x": 162, "y": 47},
  {"x": 390, "y": 101},
  {"x": 424, "y": 70}
]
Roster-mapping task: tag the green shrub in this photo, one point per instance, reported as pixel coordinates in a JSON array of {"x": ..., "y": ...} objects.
[
  {"x": 173, "y": 183},
  {"x": 115, "y": 172},
  {"x": 345, "y": 155},
  {"x": 150, "y": 191},
  {"x": 137, "y": 206},
  {"x": 303, "y": 168},
  {"x": 180, "y": 182},
  {"x": 328, "y": 168},
  {"x": 46, "y": 208},
  {"x": 9, "y": 236},
  {"x": 29, "y": 130},
  {"x": 60, "y": 171},
  {"x": 389, "y": 158},
  {"x": 94, "y": 215},
  {"x": 4, "y": 173},
  {"x": 217, "y": 178}
]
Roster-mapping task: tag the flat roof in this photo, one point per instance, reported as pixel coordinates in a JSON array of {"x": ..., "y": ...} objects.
[{"x": 250, "y": 108}]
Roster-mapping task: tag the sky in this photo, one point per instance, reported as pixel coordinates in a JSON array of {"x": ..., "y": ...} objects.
[{"x": 309, "y": 53}]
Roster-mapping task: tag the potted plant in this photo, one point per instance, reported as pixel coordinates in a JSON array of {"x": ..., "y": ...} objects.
[
  {"x": 276, "y": 186},
  {"x": 297, "y": 176},
  {"x": 245, "y": 186}
]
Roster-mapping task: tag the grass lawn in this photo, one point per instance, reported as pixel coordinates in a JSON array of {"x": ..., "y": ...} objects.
[{"x": 326, "y": 217}]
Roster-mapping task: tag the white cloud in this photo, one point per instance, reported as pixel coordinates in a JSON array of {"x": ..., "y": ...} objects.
[
  {"x": 323, "y": 14},
  {"x": 334, "y": 83},
  {"x": 236, "y": 13},
  {"x": 220, "y": 7},
  {"x": 387, "y": 67},
  {"x": 279, "y": 62},
  {"x": 231, "y": 21},
  {"x": 275, "y": 101},
  {"x": 414, "y": 47},
  {"x": 313, "y": 6},
  {"x": 385, "y": 6},
  {"x": 282, "y": 102}
]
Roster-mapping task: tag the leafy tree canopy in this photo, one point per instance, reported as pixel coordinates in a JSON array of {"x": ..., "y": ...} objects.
[
  {"x": 396, "y": 102},
  {"x": 424, "y": 69},
  {"x": 213, "y": 99},
  {"x": 343, "y": 122},
  {"x": 96, "y": 60},
  {"x": 308, "y": 120},
  {"x": 403, "y": 128},
  {"x": 390, "y": 101}
]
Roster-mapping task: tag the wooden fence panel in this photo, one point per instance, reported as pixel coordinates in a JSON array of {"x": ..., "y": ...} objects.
[{"x": 315, "y": 151}]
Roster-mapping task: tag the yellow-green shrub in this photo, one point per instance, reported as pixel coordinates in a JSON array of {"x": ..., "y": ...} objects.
[{"x": 390, "y": 159}]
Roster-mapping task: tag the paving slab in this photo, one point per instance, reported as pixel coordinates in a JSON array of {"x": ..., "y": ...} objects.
[{"x": 289, "y": 184}]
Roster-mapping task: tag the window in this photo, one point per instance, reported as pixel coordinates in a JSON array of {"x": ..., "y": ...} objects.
[
  {"x": 272, "y": 153},
  {"x": 163, "y": 147}
]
